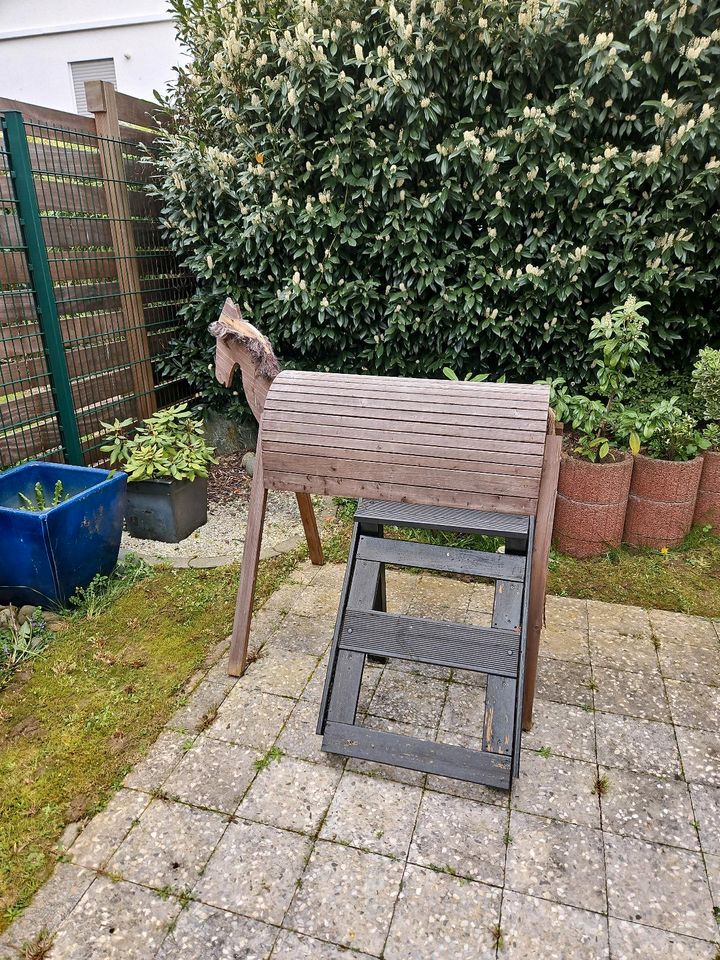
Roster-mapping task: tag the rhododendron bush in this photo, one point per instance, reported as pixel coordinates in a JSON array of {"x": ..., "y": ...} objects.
[{"x": 400, "y": 186}]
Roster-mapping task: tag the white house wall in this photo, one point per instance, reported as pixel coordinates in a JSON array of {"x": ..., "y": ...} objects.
[{"x": 40, "y": 38}]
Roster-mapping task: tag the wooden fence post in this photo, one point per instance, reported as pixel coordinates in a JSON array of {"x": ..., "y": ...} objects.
[{"x": 102, "y": 103}]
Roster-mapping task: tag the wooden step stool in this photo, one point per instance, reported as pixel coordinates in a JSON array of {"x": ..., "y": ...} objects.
[{"x": 365, "y": 628}]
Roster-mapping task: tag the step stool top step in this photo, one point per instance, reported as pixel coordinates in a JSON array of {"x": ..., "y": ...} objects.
[{"x": 454, "y": 519}]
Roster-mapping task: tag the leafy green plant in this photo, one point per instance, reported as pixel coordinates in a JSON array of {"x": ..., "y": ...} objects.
[
  {"x": 40, "y": 501},
  {"x": 89, "y": 602},
  {"x": 20, "y": 642},
  {"x": 678, "y": 439},
  {"x": 711, "y": 434},
  {"x": 619, "y": 340},
  {"x": 170, "y": 443},
  {"x": 471, "y": 377},
  {"x": 398, "y": 187},
  {"x": 706, "y": 379}
]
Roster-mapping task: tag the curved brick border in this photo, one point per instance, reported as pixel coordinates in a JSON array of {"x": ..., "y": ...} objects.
[
  {"x": 662, "y": 499},
  {"x": 707, "y": 507},
  {"x": 590, "y": 506}
]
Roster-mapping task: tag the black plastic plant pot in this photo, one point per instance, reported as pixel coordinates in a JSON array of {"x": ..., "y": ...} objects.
[{"x": 166, "y": 510}]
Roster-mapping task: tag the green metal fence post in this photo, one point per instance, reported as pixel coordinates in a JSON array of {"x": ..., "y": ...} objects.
[{"x": 31, "y": 226}]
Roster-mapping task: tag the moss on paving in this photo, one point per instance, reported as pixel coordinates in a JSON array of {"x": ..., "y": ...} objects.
[{"x": 74, "y": 722}]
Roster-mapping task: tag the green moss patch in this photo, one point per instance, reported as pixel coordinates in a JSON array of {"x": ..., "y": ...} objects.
[{"x": 686, "y": 580}]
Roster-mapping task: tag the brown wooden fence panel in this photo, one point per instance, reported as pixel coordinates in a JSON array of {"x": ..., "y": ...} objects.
[{"x": 116, "y": 286}]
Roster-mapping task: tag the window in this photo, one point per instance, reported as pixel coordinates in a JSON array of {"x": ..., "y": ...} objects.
[{"x": 84, "y": 70}]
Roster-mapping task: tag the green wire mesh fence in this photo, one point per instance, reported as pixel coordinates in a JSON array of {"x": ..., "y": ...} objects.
[{"x": 89, "y": 291}]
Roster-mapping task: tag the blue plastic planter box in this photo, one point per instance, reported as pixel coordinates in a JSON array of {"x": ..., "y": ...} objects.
[{"x": 46, "y": 555}]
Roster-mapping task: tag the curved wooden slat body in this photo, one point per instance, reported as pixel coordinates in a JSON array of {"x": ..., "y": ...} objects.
[{"x": 441, "y": 443}]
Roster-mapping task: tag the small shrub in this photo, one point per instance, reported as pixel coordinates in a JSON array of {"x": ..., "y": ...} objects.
[
  {"x": 601, "y": 419},
  {"x": 170, "y": 443},
  {"x": 711, "y": 435},
  {"x": 679, "y": 439},
  {"x": 706, "y": 377}
]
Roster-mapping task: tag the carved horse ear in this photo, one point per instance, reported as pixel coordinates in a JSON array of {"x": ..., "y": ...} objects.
[{"x": 240, "y": 344}]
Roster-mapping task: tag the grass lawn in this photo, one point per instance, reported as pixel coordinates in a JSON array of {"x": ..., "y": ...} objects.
[
  {"x": 75, "y": 720},
  {"x": 686, "y": 579}
]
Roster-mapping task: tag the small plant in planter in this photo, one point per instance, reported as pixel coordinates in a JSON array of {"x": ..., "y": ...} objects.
[
  {"x": 664, "y": 484},
  {"x": 595, "y": 472},
  {"x": 39, "y": 500},
  {"x": 166, "y": 459},
  {"x": 706, "y": 379}
]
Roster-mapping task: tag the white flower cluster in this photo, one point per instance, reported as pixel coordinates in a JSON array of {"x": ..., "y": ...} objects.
[
  {"x": 696, "y": 47},
  {"x": 668, "y": 240},
  {"x": 648, "y": 157}
]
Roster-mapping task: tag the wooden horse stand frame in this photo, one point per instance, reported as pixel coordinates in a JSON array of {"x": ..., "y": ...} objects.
[{"x": 473, "y": 457}]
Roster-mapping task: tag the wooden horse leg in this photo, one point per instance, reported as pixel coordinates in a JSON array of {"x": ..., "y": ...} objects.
[
  {"x": 248, "y": 573},
  {"x": 307, "y": 515},
  {"x": 539, "y": 570}
]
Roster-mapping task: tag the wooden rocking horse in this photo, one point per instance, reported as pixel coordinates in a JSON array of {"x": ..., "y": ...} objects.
[{"x": 473, "y": 457}]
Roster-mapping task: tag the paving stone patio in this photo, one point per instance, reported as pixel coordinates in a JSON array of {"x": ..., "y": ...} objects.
[{"x": 236, "y": 837}]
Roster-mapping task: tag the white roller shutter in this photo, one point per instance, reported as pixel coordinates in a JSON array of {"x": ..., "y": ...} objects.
[{"x": 83, "y": 70}]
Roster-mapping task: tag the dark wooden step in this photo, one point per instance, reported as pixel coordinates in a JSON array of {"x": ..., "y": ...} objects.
[
  {"x": 429, "y": 556},
  {"x": 454, "y": 519},
  {"x": 439, "y": 642},
  {"x": 476, "y": 766}
]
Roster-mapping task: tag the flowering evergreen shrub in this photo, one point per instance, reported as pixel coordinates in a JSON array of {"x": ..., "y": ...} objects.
[{"x": 395, "y": 187}]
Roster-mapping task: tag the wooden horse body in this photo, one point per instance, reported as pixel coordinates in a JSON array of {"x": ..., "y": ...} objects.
[{"x": 481, "y": 446}]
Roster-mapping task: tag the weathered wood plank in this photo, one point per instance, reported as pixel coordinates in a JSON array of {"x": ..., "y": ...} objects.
[
  {"x": 348, "y": 666},
  {"x": 401, "y": 492},
  {"x": 29, "y": 442},
  {"x": 430, "y": 556},
  {"x": 46, "y": 115},
  {"x": 434, "y": 405},
  {"x": 538, "y": 582},
  {"x": 383, "y": 411},
  {"x": 248, "y": 572},
  {"x": 400, "y": 456},
  {"x": 362, "y": 382},
  {"x": 501, "y": 694},
  {"x": 395, "y": 471},
  {"x": 475, "y": 766},
  {"x": 439, "y": 642},
  {"x": 322, "y": 434},
  {"x": 287, "y": 420},
  {"x": 474, "y": 457},
  {"x": 441, "y": 518}
]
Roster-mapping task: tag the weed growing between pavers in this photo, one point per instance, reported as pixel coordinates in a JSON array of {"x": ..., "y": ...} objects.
[
  {"x": 83, "y": 712},
  {"x": 38, "y": 948}
]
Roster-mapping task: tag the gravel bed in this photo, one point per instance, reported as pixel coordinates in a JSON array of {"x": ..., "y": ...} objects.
[{"x": 220, "y": 540}]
